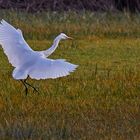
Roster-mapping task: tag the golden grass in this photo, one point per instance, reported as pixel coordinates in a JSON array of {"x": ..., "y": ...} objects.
[{"x": 100, "y": 100}]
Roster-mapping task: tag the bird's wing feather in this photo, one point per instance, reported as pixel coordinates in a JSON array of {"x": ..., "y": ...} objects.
[
  {"x": 48, "y": 68},
  {"x": 13, "y": 43}
]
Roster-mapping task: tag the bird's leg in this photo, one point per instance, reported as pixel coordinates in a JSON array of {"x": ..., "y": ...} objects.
[
  {"x": 26, "y": 89},
  {"x": 30, "y": 85}
]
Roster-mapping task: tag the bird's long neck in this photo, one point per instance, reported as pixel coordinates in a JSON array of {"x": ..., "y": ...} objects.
[{"x": 52, "y": 48}]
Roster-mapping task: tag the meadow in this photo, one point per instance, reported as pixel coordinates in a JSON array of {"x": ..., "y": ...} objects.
[{"x": 99, "y": 101}]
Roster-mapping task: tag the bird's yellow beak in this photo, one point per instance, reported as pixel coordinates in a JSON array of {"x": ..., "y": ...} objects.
[{"x": 69, "y": 38}]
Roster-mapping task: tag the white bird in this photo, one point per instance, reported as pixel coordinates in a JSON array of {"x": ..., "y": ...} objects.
[{"x": 30, "y": 63}]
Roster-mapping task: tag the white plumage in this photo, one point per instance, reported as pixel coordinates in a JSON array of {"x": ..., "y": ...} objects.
[{"x": 28, "y": 62}]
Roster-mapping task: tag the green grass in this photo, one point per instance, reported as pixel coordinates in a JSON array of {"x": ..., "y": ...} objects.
[{"x": 100, "y": 100}]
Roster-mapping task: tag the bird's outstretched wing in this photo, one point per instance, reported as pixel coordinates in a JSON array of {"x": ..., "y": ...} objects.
[
  {"x": 13, "y": 44},
  {"x": 50, "y": 69}
]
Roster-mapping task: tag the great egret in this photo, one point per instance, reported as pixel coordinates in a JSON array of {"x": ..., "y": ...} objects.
[{"x": 30, "y": 63}]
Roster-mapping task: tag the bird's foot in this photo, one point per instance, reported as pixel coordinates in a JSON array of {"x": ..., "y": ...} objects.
[{"x": 35, "y": 90}]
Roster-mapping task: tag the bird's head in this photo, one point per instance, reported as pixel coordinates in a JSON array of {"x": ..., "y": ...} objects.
[{"x": 64, "y": 36}]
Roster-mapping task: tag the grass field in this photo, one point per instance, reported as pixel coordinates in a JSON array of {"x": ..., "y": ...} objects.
[{"x": 99, "y": 101}]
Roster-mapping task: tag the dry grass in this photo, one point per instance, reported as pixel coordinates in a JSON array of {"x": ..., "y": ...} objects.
[{"x": 100, "y": 100}]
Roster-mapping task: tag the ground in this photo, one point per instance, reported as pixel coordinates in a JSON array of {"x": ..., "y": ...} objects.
[{"x": 100, "y": 100}]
